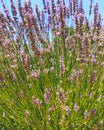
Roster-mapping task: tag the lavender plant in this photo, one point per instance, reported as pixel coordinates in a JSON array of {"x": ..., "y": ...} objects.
[{"x": 51, "y": 73}]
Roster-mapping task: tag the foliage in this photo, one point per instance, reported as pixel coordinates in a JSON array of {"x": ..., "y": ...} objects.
[{"x": 51, "y": 74}]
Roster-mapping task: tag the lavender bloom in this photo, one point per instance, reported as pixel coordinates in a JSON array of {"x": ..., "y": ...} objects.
[
  {"x": 61, "y": 95},
  {"x": 44, "y": 3},
  {"x": 22, "y": 52},
  {"x": 47, "y": 95},
  {"x": 14, "y": 12},
  {"x": 86, "y": 114},
  {"x": 36, "y": 101},
  {"x": 67, "y": 109},
  {"x": 93, "y": 113},
  {"x": 27, "y": 113},
  {"x": 76, "y": 107},
  {"x": 35, "y": 74},
  {"x": 90, "y": 10},
  {"x": 62, "y": 66},
  {"x": 93, "y": 59}
]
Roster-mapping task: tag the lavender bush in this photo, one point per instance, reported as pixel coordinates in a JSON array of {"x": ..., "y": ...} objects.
[{"x": 51, "y": 67}]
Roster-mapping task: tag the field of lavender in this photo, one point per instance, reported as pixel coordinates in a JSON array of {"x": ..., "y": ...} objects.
[{"x": 51, "y": 67}]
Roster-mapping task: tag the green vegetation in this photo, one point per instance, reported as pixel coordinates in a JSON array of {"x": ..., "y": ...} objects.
[{"x": 58, "y": 86}]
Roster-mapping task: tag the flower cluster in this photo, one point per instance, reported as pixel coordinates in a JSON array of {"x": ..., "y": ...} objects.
[{"x": 56, "y": 46}]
